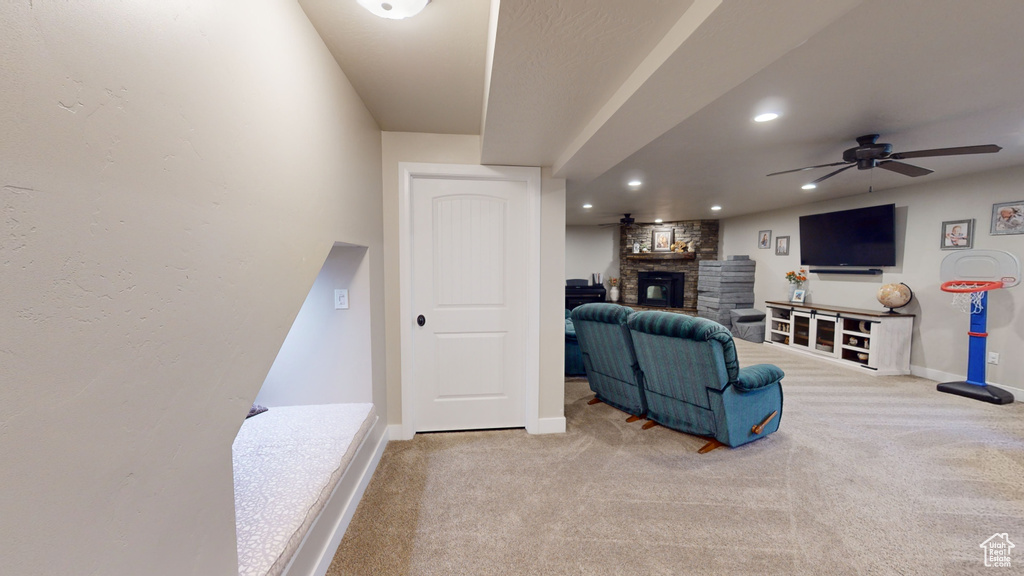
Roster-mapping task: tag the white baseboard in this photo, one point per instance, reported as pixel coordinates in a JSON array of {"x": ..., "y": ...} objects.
[
  {"x": 398, "y": 432},
  {"x": 939, "y": 376},
  {"x": 330, "y": 525},
  {"x": 544, "y": 426},
  {"x": 550, "y": 426}
]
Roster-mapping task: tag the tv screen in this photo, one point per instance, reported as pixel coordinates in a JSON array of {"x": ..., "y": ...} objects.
[{"x": 859, "y": 237}]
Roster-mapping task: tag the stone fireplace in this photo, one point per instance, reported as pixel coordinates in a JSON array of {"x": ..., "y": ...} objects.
[{"x": 705, "y": 232}]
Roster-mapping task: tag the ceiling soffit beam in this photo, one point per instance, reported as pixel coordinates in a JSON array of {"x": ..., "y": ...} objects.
[
  {"x": 714, "y": 47},
  {"x": 492, "y": 38},
  {"x": 692, "y": 19}
]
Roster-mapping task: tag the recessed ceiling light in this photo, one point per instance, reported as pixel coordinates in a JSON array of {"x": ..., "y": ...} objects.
[
  {"x": 766, "y": 117},
  {"x": 809, "y": 186},
  {"x": 658, "y": 220},
  {"x": 716, "y": 208},
  {"x": 635, "y": 183},
  {"x": 588, "y": 205}
]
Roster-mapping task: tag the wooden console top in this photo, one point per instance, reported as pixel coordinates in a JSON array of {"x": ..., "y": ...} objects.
[{"x": 836, "y": 309}]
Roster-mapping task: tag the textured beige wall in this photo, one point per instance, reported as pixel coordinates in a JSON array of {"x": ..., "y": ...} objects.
[
  {"x": 457, "y": 149},
  {"x": 590, "y": 249},
  {"x": 174, "y": 174},
  {"x": 940, "y": 341},
  {"x": 552, "y": 303},
  {"x": 322, "y": 361}
]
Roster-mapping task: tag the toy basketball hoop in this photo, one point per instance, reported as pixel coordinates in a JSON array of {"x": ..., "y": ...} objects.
[
  {"x": 970, "y": 275},
  {"x": 967, "y": 295}
]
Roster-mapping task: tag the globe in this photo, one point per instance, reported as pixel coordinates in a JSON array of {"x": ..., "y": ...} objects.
[{"x": 894, "y": 296}]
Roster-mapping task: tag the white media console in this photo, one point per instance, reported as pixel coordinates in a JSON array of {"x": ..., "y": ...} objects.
[{"x": 878, "y": 342}]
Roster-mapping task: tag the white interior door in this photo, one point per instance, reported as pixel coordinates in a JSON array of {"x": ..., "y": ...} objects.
[{"x": 469, "y": 243}]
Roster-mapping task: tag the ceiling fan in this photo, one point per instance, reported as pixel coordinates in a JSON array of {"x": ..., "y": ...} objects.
[
  {"x": 627, "y": 221},
  {"x": 870, "y": 154}
]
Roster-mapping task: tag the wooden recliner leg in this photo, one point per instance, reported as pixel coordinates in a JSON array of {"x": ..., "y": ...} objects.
[
  {"x": 632, "y": 418},
  {"x": 709, "y": 447},
  {"x": 593, "y": 401},
  {"x": 649, "y": 424},
  {"x": 758, "y": 428}
]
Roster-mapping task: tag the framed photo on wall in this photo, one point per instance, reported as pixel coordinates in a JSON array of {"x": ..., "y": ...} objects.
[
  {"x": 1008, "y": 218},
  {"x": 782, "y": 246},
  {"x": 798, "y": 296},
  {"x": 661, "y": 240},
  {"x": 764, "y": 239},
  {"x": 957, "y": 234}
]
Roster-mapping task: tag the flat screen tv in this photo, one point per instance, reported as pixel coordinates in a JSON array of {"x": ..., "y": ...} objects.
[{"x": 858, "y": 237}]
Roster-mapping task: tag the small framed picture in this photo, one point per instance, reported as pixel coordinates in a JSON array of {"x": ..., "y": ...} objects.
[
  {"x": 957, "y": 234},
  {"x": 798, "y": 296},
  {"x": 782, "y": 246},
  {"x": 764, "y": 239},
  {"x": 1008, "y": 218},
  {"x": 661, "y": 240}
]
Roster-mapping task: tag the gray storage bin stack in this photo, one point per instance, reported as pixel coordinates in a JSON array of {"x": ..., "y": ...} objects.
[{"x": 723, "y": 286}]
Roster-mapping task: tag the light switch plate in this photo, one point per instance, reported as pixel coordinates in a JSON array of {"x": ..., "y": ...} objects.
[{"x": 341, "y": 299}]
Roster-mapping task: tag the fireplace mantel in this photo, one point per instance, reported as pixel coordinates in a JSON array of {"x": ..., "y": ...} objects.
[{"x": 663, "y": 256}]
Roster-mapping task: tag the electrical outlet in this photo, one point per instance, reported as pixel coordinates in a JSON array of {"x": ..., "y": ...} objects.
[
  {"x": 341, "y": 299},
  {"x": 993, "y": 357}
]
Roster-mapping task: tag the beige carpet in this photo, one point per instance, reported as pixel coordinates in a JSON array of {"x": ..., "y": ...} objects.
[{"x": 865, "y": 476}]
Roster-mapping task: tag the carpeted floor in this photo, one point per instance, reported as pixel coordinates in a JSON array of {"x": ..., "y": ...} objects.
[{"x": 865, "y": 476}]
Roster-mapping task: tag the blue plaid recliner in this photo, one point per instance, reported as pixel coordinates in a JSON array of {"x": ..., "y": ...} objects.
[
  {"x": 608, "y": 356},
  {"x": 573, "y": 356},
  {"x": 693, "y": 382}
]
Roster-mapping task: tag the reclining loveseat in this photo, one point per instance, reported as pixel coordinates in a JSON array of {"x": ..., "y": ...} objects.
[{"x": 678, "y": 371}]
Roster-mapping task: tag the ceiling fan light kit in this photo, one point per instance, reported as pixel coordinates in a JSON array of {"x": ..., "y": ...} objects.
[{"x": 869, "y": 153}]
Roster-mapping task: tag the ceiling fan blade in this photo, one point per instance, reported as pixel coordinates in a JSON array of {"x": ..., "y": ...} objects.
[
  {"x": 905, "y": 169},
  {"x": 957, "y": 151},
  {"x": 808, "y": 168},
  {"x": 831, "y": 174}
]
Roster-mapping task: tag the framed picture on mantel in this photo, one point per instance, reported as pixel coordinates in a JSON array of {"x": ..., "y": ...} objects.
[{"x": 661, "y": 240}]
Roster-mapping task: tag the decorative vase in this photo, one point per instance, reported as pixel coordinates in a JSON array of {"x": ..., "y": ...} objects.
[
  {"x": 793, "y": 287},
  {"x": 613, "y": 294}
]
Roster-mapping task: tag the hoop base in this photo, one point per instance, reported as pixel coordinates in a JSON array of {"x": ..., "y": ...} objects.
[{"x": 983, "y": 392}]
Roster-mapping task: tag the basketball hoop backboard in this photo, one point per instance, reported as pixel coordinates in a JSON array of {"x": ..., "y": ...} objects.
[{"x": 981, "y": 266}]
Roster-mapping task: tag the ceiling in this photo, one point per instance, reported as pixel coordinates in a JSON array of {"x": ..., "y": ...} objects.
[{"x": 665, "y": 90}]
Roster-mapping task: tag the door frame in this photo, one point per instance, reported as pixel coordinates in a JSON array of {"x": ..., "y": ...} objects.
[{"x": 407, "y": 172}]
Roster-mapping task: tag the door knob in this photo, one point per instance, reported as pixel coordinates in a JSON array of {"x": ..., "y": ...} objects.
[{"x": 421, "y": 320}]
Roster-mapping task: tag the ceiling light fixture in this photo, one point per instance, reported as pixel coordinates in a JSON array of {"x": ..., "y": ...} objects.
[
  {"x": 766, "y": 117},
  {"x": 658, "y": 221},
  {"x": 394, "y": 9},
  {"x": 811, "y": 186},
  {"x": 716, "y": 208},
  {"x": 635, "y": 183},
  {"x": 588, "y": 205}
]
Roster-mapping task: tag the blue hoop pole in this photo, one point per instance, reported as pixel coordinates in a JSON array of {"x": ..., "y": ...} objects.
[{"x": 976, "y": 346}]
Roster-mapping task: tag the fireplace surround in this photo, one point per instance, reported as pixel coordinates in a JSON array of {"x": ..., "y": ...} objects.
[{"x": 631, "y": 264}]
